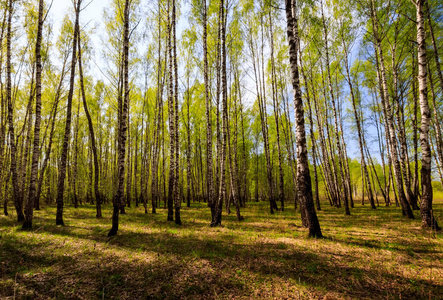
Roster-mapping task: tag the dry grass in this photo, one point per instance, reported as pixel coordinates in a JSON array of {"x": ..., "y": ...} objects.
[{"x": 369, "y": 255}]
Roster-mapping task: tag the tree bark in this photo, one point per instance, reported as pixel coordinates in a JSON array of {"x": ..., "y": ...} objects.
[
  {"x": 177, "y": 202},
  {"x": 359, "y": 129},
  {"x": 98, "y": 200},
  {"x": 337, "y": 130},
  {"x": 38, "y": 103},
  {"x": 208, "y": 102},
  {"x": 18, "y": 197},
  {"x": 427, "y": 216},
  {"x": 406, "y": 209},
  {"x": 303, "y": 174},
  {"x": 64, "y": 154},
  {"x": 222, "y": 183},
  {"x": 281, "y": 191},
  {"x": 118, "y": 197}
]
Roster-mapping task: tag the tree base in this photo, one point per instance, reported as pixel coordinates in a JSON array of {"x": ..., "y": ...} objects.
[
  {"x": 112, "y": 232},
  {"x": 59, "y": 222},
  {"x": 27, "y": 225}
]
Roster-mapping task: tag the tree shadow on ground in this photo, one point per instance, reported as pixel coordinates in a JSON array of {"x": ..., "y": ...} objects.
[{"x": 173, "y": 266}]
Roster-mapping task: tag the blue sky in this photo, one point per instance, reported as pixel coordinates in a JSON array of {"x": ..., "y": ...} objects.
[{"x": 92, "y": 12}]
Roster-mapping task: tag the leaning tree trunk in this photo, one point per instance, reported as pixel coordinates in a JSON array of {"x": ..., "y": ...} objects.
[
  {"x": 281, "y": 193},
  {"x": 337, "y": 129},
  {"x": 303, "y": 174},
  {"x": 58, "y": 94},
  {"x": 233, "y": 168},
  {"x": 359, "y": 129},
  {"x": 312, "y": 137},
  {"x": 263, "y": 120},
  {"x": 98, "y": 199},
  {"x": 427, "y": 217},
  {"x": 64, "y": 155},
  {"x": 437, "y": 128},
  {"x": 406, "y": 208}
]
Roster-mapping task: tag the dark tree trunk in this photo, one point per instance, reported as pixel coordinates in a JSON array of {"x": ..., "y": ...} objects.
[
  {"x": 38, "y": 105},
  {"x": 177, "y": 202},
  {"x": 406, "y": 208},
  {"x": 18, "y": 197},
  {"x": 98, "y": 200},
  {"x": 64, "y": 155},
  {"x": 171, "y": 107}
]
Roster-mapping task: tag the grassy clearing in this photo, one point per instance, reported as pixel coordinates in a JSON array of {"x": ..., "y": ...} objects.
[{"x": 369, "y": 255}]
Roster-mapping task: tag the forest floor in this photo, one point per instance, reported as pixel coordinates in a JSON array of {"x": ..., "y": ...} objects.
[{"x": 372, "y": 254}]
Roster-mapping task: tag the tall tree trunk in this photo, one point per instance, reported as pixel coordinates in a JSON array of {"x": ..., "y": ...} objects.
[
  {"x": 359, "y": 127},
  {"x": 406, "y": 208},
  {"x": 312, "y": 136},
  {"x": 64, "y": 154},
  {"x": 281, "y": 192},
  {"x": 189, "y": 183},
  {"x": 3, "y": 116},
  {"x": 26, "y": 140},
  {"x": 415, "y": 124},
  {"x": 98, "y": 200},
  {"x": 177, "y": 202},
  {"x": 437, "y": 127},
  {"x": 157, "y": 125},
  {"x": 223, "y": 158},
  {"x": 29, "y": 210},
  {"x": 244, "y": 180},
  {"x": 75, "y": 154},
  {"x": 171, "y": 108},
  {"x": 398, "y": 99},
  {"x": 128, "y": 165},
  {"x": 303, "y": 174},
  {"x": 434, "y": 44},
  {"x": 232, "y": 154},
  {"x": 18, "y": 197},
  {"x": 337, "y": 130},
  {"x": 289, "y": 145},
  {"x": 427, "y": 216},
  {"x": 208, "y": 102},
  {"x": 263, "y": 118},
  {"x": 118, "y": 197}
]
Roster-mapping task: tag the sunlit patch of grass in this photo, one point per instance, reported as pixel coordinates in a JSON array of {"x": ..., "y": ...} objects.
[{"x": 370, "y": 254}]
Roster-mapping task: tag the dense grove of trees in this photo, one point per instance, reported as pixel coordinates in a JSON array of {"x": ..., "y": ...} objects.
[{"x": 286, "y": 102}]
